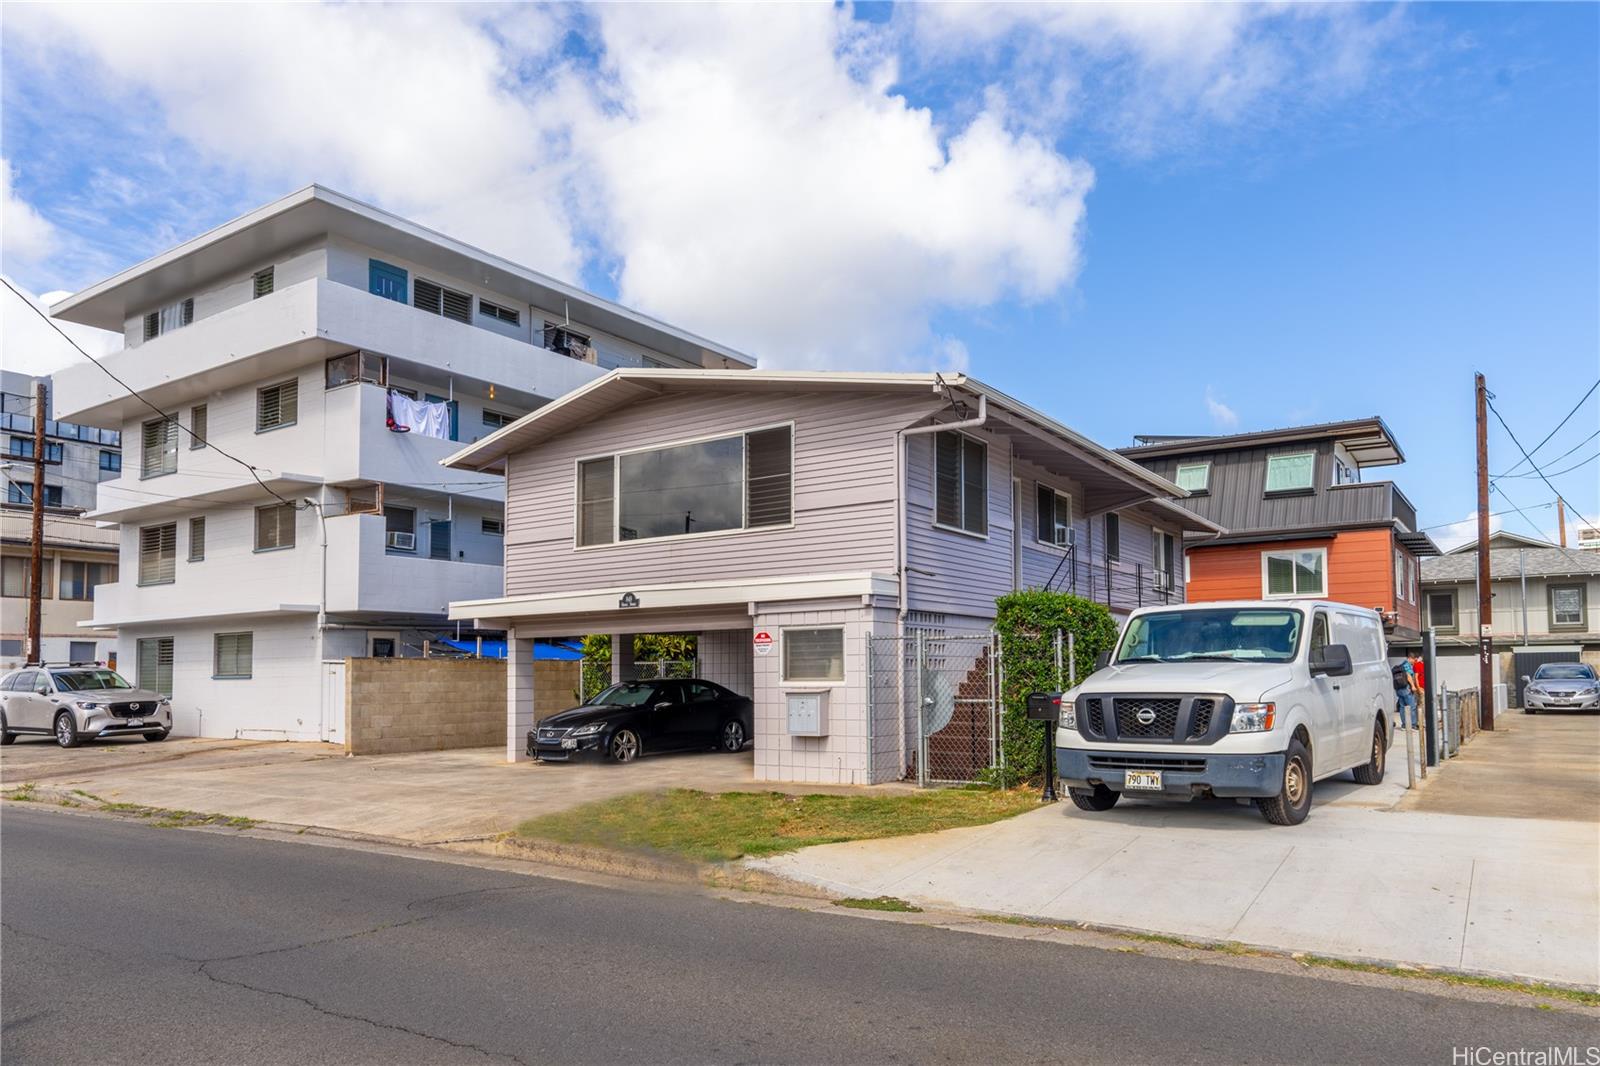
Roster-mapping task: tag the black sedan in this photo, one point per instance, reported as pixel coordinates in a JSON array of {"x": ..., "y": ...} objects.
[{"x": 628, "y": 720}]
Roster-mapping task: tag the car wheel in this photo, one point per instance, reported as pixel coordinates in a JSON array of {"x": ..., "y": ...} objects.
[
  {"x": 1293, "y": 801},
  {"x": 733, "y": 736},
  {"x": 1372, "y": 772},
  {"x": 1098, "y": 798},
  {"x": 154, "y": 737},
  {"x": 1529, "y": 710},
  {"x": 67, "y": 731},
  {"x": 6, "y": 735},
  {"x": 624, "y": 745}
]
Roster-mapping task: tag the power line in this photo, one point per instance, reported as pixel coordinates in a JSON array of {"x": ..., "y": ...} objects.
[
  {"x": 140, "y": 396},
  {"x": 1492, "y": 514},
  {"x": 1499, "y": 418},
  {"x": 1562, "y": 456},
  {"x": 1528, "y": 456},
  {"x": 1531, "y": 523}
]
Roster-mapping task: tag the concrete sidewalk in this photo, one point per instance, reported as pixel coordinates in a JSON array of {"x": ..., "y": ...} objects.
[{"x": 1363, "y": 877}]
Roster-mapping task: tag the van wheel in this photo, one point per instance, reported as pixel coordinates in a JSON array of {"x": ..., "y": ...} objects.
[
  {"x": 1372, "y": 772},
  {"x": 1098, "y": 798},
  {"x": 1293, "y": 801}
]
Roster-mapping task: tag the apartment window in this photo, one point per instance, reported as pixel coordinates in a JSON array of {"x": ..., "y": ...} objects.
[
  {"x": 961, "y": 483},
  {"x": 155, "y": 665},
  {"x": 277, "y": 406},
  {"x": 1295, "y": 573},
  {"x": 1193, "y": 477},
  {"x": 1399, "y": 575},
  {"x": 22, "y": 448},
  {"x": 1568, "y": 606},
  {"x": 197, "y": 539},
  {"x": 78, "y": 579},
  {"x": 160, "y": 443},
  {"x": 493, "y": 527},
  {"x": 80, "y": 651},
  {"x": 386, "y": 281},
  {"x": 813, "y": 654},
  {"x": 355, "y": 366},
  {"x": 400, "y": 528},
  {"x": 727, "y": 483},
  {"x": 169, "y": 318},
  {"x": 197, "y": 426},
  {"x": 1344, "y": 473},
  {"x": 566, "y": 341},
  {"x": 1113, "y": 536},
  {"x": 232, "y": 654},
  {"x": 1054, "y": 518},
  {"x": 496, "y": 420},
  {"x": 275, "y": 527},
  {"x": 438, "y": 540},
  {"x": 158, "y": 554},
  {"x": 438, "y": 300},
  {"x": 1163, "y": 556},
  {"x": 363, "y": 499},
  {"x": 261, "y": 283},
  {"x": 1291, "y": 473},
  {"x": 111, "y": 461},
  {"x": 14, "y": 573},
  {"x": 21, "y": 492},
  {"x": 510, "y": 316},
  {"x": 1442, "y": 611}
]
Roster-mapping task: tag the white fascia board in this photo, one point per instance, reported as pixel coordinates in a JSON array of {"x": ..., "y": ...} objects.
[{"x": 680, "y": 594}]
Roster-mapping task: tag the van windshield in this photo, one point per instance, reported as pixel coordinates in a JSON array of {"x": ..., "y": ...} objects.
[{"x": 1221, "y": 634}]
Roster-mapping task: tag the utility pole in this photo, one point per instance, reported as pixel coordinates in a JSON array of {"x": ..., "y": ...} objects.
[
  {"x": 35, "y": 651},
  {"x": 1561, "y": 520},
  {"x": 1485, "y": 590}
]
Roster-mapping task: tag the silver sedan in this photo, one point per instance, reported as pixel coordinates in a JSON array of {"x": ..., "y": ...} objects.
[{"x": 1561, "y": 687}]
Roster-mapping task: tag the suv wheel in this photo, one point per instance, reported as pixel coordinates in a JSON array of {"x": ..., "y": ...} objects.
[
  {"x": 6, "y": 735},
  {"x": 1098, "y": 798},
  {"x": 1371, "y": 773},
  {"x": 67, "y": 731},
  {"x": 156, "y": 736},
  {"x": 1293, "y": 801}
]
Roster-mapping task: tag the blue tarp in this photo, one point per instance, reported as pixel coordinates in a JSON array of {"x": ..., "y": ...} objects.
[{"x": 561, "y": 651}]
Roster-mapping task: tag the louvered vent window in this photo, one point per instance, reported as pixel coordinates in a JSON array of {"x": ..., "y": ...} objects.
[
  {"x": 274, "y": 527},
  {"x": 168, "y": 318},
  {"x": 770, "y": 478},
  {"x": 160, "y": 448},
  {"x": 197, "y": 426},
  {"x": 277, "y": 405},
  {"x": 155, "y": 665},
  {"x": 441, "y": 301},
  {"x": 197, "y": 539},
  {"x": 158, "y": 554},
  {"x": 509, "y": 316},
  {"x": 261, "y": 283},
  {"x": 233, "y": 654}
]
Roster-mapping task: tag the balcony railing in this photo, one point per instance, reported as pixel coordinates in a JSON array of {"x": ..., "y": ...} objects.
[
  {"x": 1120, "y": 586},
  {"x": 1370, "y": 501}
]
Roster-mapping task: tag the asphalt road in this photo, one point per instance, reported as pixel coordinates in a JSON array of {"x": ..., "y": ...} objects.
[{"x": 127, "y": 943}]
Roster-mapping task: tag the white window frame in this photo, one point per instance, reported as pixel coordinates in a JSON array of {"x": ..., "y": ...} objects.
[
  {"x": 783, "y": 660},
  {"x": 499, "y": 529},
  {"x": 1165, "y": 578},
  {"x": 1455, "y": 607},
  {"x": 616, "y": 490},
  {"x": 961, "y": 504},
  {"x": 294, "y": 528},
  {"x": 1311, "y": 481},
  {"x": 169, "y": 449},
  {"x": 1205, "y": 480},
  {"x": 1296, "y": 594},
  {"x": 1059, "y": 496}
]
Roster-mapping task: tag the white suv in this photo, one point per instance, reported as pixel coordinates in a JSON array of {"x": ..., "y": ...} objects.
[{"x": 1255, "y": 699}]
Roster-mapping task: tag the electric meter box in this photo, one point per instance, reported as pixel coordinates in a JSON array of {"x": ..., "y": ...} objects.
[{"x": 808, "y": 713}]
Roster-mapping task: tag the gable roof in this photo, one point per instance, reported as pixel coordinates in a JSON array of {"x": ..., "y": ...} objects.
[
  {"x": 1501, "y": 539},
  {"x": 1509, "y": 564},
  {"x": 1368, "y": 440}
]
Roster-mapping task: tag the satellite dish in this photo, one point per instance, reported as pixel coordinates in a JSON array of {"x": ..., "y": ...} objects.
[{"x": 938, "y": 701}]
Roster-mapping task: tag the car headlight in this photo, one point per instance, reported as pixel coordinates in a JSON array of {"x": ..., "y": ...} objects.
[
  {"x": 1068, "y": 718},
  {"x": 588, "y": 730},
  {"x": 88, "y": 705},
  {"x": 1252, "y": 717}
]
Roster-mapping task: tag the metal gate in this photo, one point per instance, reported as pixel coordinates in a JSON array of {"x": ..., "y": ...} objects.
[{"x": 939, "y": 694}]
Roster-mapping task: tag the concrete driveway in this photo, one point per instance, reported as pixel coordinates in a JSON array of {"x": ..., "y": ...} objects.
[
  {"x": 422, "y": 797},
  {"x": 1365, "y": 876}
]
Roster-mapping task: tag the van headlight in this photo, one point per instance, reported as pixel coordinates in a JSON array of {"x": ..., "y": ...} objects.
[
  {"x": 1068, "y": 718},
  {"x": 1252, "y": 717}
]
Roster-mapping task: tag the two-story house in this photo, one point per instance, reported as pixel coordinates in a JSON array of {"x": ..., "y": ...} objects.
[
  {"x": 77, "y": 555},
  {"x": 291, "y": 380},
  {"x": 1545, "y": 607},
  {"x": 1303, "y": 517},
  {"x": 788, "y": 518}
]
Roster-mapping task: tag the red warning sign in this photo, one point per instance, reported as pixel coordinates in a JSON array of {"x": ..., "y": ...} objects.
[{"x": 763, "y": 642}]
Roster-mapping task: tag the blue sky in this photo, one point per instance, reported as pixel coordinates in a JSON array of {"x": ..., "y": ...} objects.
[{"x": 1140, "y": 219}]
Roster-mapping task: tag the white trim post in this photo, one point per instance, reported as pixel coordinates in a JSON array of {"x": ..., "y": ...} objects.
[{"x": 519, "y": 696}]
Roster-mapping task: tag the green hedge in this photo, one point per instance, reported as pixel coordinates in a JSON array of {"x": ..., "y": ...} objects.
[{"x": 1027, "y": 623}]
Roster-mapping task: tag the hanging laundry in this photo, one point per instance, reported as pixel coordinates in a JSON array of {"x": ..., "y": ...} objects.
[
  {"x": 394, "y": 427},
  {"x": 418, "y": 416}
]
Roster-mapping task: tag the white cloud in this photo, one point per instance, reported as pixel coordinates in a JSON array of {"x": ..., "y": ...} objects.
[
  {"x": 28, "y": 344},
  {"x": 25, "y": 235},
  {"x": 1221, "y": 413}
]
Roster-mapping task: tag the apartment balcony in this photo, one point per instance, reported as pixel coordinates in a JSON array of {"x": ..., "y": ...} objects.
[
  {"x": 364, "y": 577},
  {"x": 1370, "y": 501},
  {"x": 359, "y": 447},
  {"x": 292, "y": 327}
]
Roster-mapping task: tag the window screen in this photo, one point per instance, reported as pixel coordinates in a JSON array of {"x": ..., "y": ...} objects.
[
  {"x": 813, "y": 654},
  {"x": 1054, "y": 516}
]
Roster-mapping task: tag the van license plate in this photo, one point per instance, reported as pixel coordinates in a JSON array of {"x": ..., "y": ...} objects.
[{"x": 1143, "y": 779}]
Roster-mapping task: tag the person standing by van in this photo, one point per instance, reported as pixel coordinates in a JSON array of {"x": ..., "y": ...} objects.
[{"x": 1405, "y": 693}]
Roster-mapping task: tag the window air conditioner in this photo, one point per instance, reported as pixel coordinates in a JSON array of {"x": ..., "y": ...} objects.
[
  {"x": 402, "y": 541},
  {"x": 1065, "y": 538}
]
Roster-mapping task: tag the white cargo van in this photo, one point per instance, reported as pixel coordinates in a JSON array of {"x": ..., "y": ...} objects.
[{"x": 1254, "y": 699}]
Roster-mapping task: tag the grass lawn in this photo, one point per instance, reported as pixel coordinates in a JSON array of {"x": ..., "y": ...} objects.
[{"x": 716, "y": 827}]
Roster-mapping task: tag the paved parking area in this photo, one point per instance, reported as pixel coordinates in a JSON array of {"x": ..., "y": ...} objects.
[{"x": 1531, "y": 766}]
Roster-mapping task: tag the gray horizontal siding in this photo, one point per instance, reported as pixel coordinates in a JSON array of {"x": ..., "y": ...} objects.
[{"x": 951, "y": 572}]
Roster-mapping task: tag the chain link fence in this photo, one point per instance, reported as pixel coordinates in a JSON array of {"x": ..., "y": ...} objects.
[
  {"x": 940, "y": 694},
  {"x": 597, "y": 672}
]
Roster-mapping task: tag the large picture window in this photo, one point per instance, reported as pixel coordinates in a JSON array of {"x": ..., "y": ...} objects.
[
  {"x": 1295, "y": 573},
  {"x": 1291, "y": 473},
  {"x": 743, "y": 481},
  {"x": 813, "y": 654},
  {"x": 961, "y": 483}
]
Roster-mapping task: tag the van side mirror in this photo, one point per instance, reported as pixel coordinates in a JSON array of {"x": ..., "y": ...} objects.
[
  {"x": 1331, "y": 659},
  {"x": 1102, "y": 660}
]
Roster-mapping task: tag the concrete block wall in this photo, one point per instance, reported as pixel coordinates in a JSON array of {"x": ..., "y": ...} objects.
[
  {"x": 727, "y": 658},
  {"x": 399, "y": 705}
]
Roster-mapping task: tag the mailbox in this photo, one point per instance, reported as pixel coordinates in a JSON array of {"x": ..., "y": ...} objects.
[
  {"x": 1044, "y": 706},
  {"x": 808, "y": 713}
]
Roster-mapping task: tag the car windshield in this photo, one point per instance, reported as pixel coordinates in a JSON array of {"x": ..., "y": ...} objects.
[
  {"x": 1245, "y": 634},
  {"x": 1564, "y": 672},
  {"x": 627, "y": 694},
  {"x": 87, "y": 680}
]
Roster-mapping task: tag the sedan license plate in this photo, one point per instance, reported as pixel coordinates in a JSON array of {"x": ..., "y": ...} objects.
[
  {"x": 1143, "y": 779},
  {"x": 569, "y": 744}
]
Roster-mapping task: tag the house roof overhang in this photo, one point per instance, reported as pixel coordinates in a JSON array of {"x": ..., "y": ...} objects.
[
  {"x": 1368, "y": 440},
  {"x": 302, "y": 217}
]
